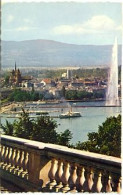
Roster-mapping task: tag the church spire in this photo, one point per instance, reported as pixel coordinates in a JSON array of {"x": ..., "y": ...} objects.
[{"x": 15, "y": 66}]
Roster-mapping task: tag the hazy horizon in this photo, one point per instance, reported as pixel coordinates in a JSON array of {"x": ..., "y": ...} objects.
[{"x": 58, "y": 42}]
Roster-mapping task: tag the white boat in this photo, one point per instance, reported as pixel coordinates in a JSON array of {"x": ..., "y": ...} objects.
[{"x": 70, "y": 114}]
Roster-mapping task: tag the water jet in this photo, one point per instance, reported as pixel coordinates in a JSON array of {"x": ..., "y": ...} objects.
[{"x": 112, "y": 86}]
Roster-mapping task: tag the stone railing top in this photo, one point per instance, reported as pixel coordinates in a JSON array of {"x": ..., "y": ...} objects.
[{"x": 54, "y": 150}]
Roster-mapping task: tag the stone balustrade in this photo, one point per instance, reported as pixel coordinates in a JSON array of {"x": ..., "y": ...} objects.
[{"x": 37, "y": 166}]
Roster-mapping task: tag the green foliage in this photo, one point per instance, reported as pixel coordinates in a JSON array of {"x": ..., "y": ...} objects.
[
  {"x": 54, "y": 73},
  {"x": 7, "y": 79},
  {"x": 23, "y": 127},
  {"x": 42, "y": 129},
  {"x": 78, "y": 95},
  {"x": 65, "y": 137},
  {"x": 98, "y": 94},
  {"x": 8, "y": 128},
  {"x": 71, "y": 95},
  {"x": 18, "y": 95},
  {"x": 84, "y": 94},
  {"x": 107, "y": 140},
  {"x": 91, "y": 73}
]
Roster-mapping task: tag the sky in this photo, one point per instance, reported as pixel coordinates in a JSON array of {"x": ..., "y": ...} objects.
[{"x": 95, "y": 23}]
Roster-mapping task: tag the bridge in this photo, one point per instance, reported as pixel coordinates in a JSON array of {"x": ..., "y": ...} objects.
[{"x": 38, "y": 167}]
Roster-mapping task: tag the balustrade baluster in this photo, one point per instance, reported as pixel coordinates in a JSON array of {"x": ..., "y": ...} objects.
[
  {"x": 90, "y": 180},
  {"x": 65, "y": 177},
  {"x": 24, "y": 164},
  {"x": 20, "y": 162},
  {"x": 2, "y": 155},
  {"x": 20, "y": 159},
  {"x": 16, "y": 161},
  {"x": 81, "y": 179},
  {"x": 11, "y": 153},
  {"x": 108, "y": 186},
  {"x": 26, "y": 161},
  {"x": 59, "y": 173},
  {"x": 5, "y": 154},
  {"x": 16, "y": 158},
  {"x": 99, "y": 182},
  {"x": 8, "y": 159},
  {"x": 27, "y": 165},
  {"x": 119, "y": 186},
  {"x": 11, "y": 156},
  {"x": 5, "y": 157},
  {"x": 73, "y": 178},
  {"x": 13, "y": 159},
  {"x": 22, "y": 174},
  {"x": 52, "y": 172}
]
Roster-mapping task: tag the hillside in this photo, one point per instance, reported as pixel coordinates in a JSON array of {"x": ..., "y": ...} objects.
[{"x": 46, "y": 53}]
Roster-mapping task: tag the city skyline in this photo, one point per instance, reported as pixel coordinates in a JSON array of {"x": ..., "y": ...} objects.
[{"x": 70, "y": 22}]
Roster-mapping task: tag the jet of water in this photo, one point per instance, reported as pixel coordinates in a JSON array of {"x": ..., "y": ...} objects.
[{"x": 112, "y": 87}]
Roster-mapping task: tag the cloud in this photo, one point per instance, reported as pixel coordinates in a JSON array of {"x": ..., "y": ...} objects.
[
  {"x": 10, "y": 18},
  {"x": 100, "y": 22},
  {"x": 64, "y": 29},
  {"x": 97, "y": 24},
  {"x": 21, "y": 28}
]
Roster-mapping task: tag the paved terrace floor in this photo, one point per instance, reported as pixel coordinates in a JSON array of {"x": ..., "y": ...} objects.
[{"x": 8, "y": 187}]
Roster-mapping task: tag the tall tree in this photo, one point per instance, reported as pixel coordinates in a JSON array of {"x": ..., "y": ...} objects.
[{"x": 107, "y": 140}]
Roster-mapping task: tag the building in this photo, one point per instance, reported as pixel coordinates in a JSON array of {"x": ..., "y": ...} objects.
[
  {"x": 48, "y": 82},
  {"x": 15, "y": 77},
  {"x": 69, "y": 74}
]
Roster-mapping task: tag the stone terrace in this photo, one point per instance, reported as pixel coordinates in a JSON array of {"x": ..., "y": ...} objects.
[{"x": 36, "y": 166}]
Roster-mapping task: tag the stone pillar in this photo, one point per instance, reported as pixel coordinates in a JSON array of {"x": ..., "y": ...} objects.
[{"x": 34, "y": 166}]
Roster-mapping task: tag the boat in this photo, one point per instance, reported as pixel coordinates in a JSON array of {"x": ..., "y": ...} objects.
[{"x": 70, "y": 114}]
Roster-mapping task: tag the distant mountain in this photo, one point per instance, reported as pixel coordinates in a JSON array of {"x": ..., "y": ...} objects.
[{"x": 46, "y": 53}]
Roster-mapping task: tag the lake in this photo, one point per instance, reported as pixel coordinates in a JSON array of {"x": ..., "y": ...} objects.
[{"x": 91, "y": 118}]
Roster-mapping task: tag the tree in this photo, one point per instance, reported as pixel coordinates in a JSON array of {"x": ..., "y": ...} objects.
[
  {"x": 23, "y": 127},
  {"x": 71, "y": 95},
  {"x": 64, "y": 138},
  {"x": 107, "y": 140},
  {"x": 42, "y": 129}
]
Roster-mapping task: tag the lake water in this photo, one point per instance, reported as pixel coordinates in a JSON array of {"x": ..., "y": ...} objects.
[{"x": 91, "y": 118}]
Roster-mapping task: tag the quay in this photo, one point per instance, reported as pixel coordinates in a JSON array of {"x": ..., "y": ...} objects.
[
  {"x": 35, "y": 116},
  {"x": 42, "y": 167}
]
